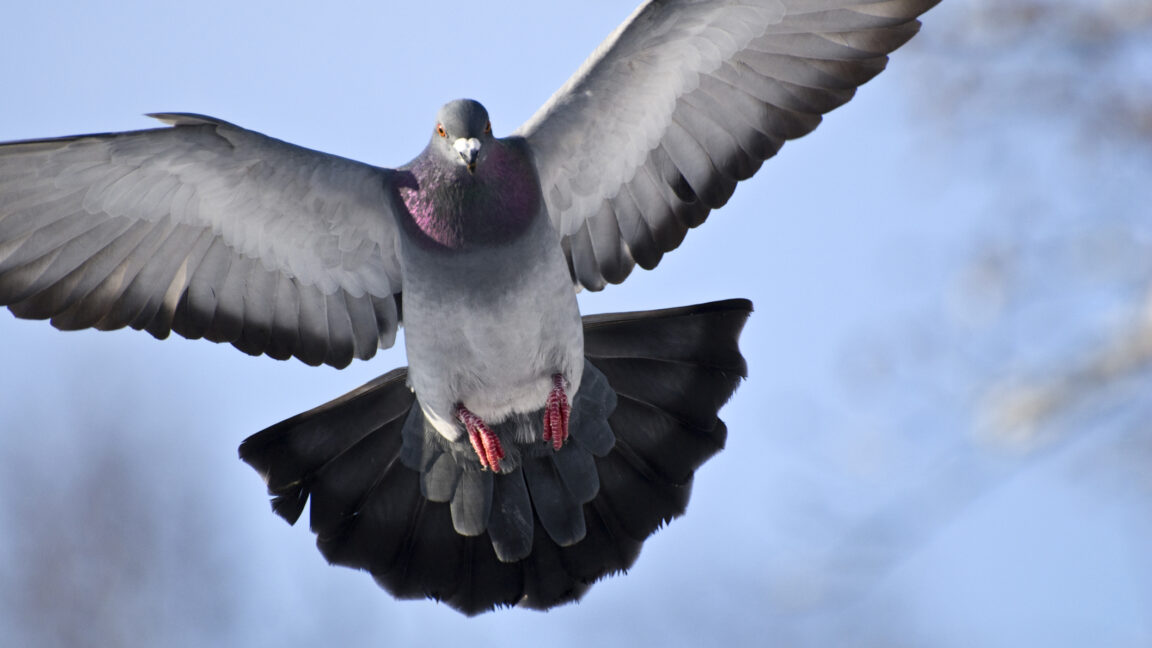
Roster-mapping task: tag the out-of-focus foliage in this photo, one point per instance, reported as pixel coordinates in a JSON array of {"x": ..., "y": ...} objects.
[
  {"x": 1086, "y": 63},
  {"x": 1042, "y": 342},
  {"x": 99, "y": 534},
  {"x": 1061, "y": 280}
]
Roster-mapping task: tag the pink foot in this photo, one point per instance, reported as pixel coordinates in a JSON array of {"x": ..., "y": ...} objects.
[
  {"x": 484, "y": 442},
  {"x": 556, "y": 412}
]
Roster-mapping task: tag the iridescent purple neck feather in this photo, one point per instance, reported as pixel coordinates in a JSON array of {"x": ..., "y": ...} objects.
[{"x": 451, "y": 208}]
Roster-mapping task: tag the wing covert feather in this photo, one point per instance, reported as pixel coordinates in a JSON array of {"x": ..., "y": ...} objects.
[
  {"x": 692, "y": 97},
  {"x": 205, "y": 229}
]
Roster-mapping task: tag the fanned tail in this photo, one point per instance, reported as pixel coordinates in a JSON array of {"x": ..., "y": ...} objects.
[{"x": 390, "y": 498}]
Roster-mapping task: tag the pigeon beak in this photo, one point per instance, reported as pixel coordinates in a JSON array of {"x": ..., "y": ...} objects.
[{"x": 468, "y": 149}]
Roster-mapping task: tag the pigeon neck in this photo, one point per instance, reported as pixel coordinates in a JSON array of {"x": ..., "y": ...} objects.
[{"x": 448, "y": 207}]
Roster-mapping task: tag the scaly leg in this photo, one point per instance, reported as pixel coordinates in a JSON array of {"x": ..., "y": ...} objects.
[
  {"x": 484, "y": 442},
  {"x": 556, "y": 412}
]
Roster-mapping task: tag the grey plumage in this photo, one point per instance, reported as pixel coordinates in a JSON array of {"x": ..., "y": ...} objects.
[
  {"x": 683, "y": 101},
  {"x": 139, "y": 229},
  {"x": 455, "y": 478}
]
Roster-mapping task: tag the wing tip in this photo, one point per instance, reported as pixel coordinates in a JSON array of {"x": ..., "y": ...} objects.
[{"x": 188, "y": 119}]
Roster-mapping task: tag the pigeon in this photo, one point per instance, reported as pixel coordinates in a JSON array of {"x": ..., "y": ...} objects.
[{"x": 528, "y": 450}]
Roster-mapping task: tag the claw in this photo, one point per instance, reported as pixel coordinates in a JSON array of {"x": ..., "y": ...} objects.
[
  {"x": 483, "y": 440},
  {"x": 556, "y": 413}
]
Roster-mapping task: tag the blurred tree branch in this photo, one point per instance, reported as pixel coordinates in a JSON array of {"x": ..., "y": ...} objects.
[
  {"x": 1087, "y": 61},
  {"x": 1045, "y": 335}
]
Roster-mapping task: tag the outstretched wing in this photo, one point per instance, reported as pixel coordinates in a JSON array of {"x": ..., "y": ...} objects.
[
  {"x": 686, "y": 99},
  {"x": 205, "y": 229}
]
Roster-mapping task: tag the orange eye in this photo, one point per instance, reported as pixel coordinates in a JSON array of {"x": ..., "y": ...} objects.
[
  {"x": 488, "y": 127},
  {"x": 440, "y": 130}
]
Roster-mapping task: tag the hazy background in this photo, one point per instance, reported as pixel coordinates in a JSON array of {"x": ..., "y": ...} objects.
[{"x": 945, "y": 438}]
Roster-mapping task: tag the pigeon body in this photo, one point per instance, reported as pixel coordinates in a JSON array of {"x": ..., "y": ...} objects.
[
  {"x": 527, "y": 451},
  {"x": 484, "y": 264},
  {"x": 489, "y": 306}
]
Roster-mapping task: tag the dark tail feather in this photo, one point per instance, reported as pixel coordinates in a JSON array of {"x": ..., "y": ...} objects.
[
  {"x": 670, "y": 423},
  {"x": 290, "y": 454},
  {"x": 671, "y": 370}
]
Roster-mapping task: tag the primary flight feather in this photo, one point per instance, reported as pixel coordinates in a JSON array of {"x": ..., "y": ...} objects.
[{"x": 526, "y": 451}]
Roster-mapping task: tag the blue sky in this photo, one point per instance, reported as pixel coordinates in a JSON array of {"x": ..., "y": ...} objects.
[{"x": 841, "y": 240}]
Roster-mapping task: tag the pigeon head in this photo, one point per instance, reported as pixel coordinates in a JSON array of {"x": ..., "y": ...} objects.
[{"x": 462, "y": 130}]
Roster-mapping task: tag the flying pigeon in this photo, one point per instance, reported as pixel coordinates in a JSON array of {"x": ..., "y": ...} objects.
[{"x": 527, "y": 451}]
